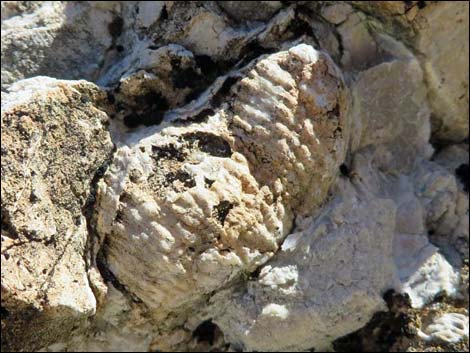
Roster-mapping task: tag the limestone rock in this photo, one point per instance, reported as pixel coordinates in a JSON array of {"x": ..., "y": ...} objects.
[
  {"x": 450, "y": 328},
  {"x": 202, "y": 203},
  {"x": 54, "y": 141},
  {"x": 392, "y": 106},
  {"x": 337, "y": 13},
  {"x": 279, "y": 167},
  {"x": 442, "y": 38},
  {"x": 62, "y": 40},
  {"x": 318, "y": 287}
]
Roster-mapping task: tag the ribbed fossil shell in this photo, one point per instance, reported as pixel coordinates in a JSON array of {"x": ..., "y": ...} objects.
[{"x": 189, "y": 208}]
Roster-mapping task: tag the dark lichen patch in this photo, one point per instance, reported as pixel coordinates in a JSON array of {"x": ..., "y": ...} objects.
[
  {"x": 182, "y": 176},
  {"x": 7, "y": 225},
  {"x": 334, "y": 113},
  {"x": 221, "y": 210},
  {"x": 208, "y": 182},
  {"x": 463, "y": 173},
  {"x": 198, "y": 78},
  {"x": 116, "y": 26},
  {"x": 168, "y": 152},
  {"x": 205, "y": 332},
  {"x": 209, "y": 143}
]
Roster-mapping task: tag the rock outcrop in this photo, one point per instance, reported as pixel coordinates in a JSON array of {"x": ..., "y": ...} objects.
[
  {"x": 54, "y": 144},
  {"x": 256, "y": 176}
]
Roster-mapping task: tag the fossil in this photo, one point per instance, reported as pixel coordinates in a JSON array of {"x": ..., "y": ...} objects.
[{"x": 188, "y": 209}]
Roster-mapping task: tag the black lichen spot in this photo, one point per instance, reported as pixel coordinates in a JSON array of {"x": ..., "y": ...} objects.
[
  {"x": 343, "y": 168},
  {"x": 7, "y": 225},
  {"x": 33, "y": 197},
  {"x": 115, "y": 27},
  {"x": 182, "y": 176},
  {"x": 338, "y": 132},
  {"x": 463, "y": 173},
  {"x": 168, "y": 152},
  {"x": 119, "y": 48},
  {"x": 209, "y": 143},
  {"x": 205, "y": 332},
  {"x": 221, "y": 210},
  {"x": 421, "y": 4},
  {"x": 164, "y": 13},
  {"x": 208, "y": 182},
  {"x": 334, "y": 113}
]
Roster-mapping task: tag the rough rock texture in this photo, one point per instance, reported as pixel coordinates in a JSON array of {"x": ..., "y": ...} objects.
[
  {"x": 317, "y": 283},
  {"x": 279, "y": 176},
  {"x": 54, "y": 142},
  {"x": 208, "y": 201}
]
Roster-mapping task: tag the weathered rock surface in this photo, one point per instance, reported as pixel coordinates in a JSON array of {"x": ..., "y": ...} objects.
[
  {"x": 323, "y": 284},
  {"x": 246, "y": 176},
  {"x": 208, "y": 201},
  {"x": 54, "y": 142}
]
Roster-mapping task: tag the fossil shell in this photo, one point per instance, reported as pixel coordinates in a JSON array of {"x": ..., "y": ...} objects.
[{"x": 189, "y": 208}]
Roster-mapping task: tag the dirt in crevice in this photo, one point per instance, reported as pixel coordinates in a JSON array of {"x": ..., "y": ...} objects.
[
  {"x": 384, "y": 330},
  {"x": 397, "y": 329}
]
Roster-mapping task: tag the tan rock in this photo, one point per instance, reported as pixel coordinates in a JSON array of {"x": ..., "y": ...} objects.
[
  {"x": 442, "y": 38},
  {"x": 54, "y": 141},
  {"x": 188, "y": 209}
]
